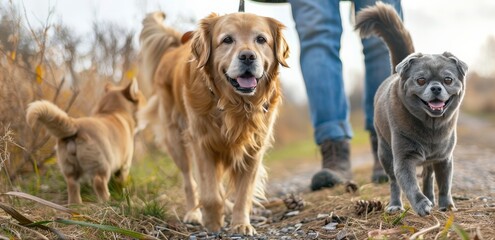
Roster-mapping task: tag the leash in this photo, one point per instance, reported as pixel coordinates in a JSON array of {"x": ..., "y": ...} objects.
[{"x": 241, "y": 6}]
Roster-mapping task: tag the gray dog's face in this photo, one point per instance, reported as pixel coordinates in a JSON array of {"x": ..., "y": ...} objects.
[{"x": 432, "y": 84}]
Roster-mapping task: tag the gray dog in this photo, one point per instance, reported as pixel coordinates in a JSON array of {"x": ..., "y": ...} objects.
[{"x": 416, "y": 113}]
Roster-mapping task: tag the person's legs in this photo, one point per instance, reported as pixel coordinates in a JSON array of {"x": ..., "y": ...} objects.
[
  {"x": 319, "y": 26},
  {"x": 378, "y": 68}
]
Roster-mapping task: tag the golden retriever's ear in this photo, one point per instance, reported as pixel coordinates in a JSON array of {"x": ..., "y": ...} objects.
[
  {"x": 281, "y": 48},
  {"x": 201, "y": 45}
]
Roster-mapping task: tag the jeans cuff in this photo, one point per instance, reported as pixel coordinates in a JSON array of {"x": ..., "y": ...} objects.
[{"x": 336, "y": 130}]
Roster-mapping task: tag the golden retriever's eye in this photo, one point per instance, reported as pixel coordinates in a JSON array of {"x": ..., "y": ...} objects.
[
  {"x": 421, "y": 81},
  {"x": 228, "y": 40},
  {"x": 260, "y": 40},
  {"x": 447, "y": 80}
]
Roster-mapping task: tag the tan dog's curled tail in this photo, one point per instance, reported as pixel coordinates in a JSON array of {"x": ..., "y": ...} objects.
[
  {"x": 382, "y": 20},
  {"x": 155, "y": 39},
  {"x": 52, "y": 117}
]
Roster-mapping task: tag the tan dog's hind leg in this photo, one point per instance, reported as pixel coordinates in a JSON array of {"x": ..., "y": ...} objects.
[
  {"x": 73, "y": 190},
  {"x": 244, "y": 180},
  {"x": 100, "y": 186},
  {"x": 124, "y": 172}
]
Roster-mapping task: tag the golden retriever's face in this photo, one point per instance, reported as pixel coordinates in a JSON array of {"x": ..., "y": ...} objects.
[{"x": 240, "y": 50}]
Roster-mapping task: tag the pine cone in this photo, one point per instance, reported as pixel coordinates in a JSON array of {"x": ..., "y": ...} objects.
[
  {"x": 293, "y": 202},
  {"x": 365, "y": 207}
]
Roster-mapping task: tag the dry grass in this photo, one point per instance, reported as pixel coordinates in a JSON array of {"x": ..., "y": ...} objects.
[{"x": 153, "y": 204}]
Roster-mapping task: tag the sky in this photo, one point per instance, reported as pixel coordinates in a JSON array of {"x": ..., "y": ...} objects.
[{"x": 461, "y": 27}]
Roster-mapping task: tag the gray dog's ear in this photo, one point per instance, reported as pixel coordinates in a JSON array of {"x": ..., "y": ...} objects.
[
  {"x": 461, "y": 66},
  {"x": 402, "y": 67}
]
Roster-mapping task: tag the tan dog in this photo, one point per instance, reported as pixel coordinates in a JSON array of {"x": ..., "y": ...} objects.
[
  {"x": 215, "y": 102},
  {"x": 93, "y": 147}
]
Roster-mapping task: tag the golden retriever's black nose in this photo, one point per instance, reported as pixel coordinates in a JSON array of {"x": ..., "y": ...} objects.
[
  {"x": 247, "y": 56},
  {"x": 436, "y": 89}
]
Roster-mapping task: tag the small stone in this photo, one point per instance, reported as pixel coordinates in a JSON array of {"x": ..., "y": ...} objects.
[
  {"x": 322, "y": 215},
  {"x": 291, "y": 229},
  {"x": 266, "y": 213},
  {"x": 313, "y": 235},
  {"x": 308, "y": 220},
  {"x": 193, "y": 237},
  {"x": 300, "y": 232},
  {"x": 284, "y": 230},
  {"x": 291, "y": 214},
  {"x": 331, "y": 226},
  {"x": 297, "y": 226},
  {"x": 341, "y": 235},
  {"x": 285, "y": 238},
  {"x": 202, "y": 234}
]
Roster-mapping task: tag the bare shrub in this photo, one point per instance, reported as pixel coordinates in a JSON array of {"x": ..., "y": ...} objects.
[{"x": 48, "y": 62}]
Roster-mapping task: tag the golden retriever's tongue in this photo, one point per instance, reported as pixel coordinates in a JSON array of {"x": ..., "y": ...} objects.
[{"x": 249, "y": 82}]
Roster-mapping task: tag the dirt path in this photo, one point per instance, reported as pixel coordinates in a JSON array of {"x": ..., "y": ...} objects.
[{"x": 474, "y": 168}]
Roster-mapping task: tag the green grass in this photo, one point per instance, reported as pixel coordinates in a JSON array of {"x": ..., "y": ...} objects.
[
  {"x": 150, "y": 177},
  {"x": 300, "y": 149},
  {"x": 154, "y": 209},
  {"x": 307, "y": 148}
]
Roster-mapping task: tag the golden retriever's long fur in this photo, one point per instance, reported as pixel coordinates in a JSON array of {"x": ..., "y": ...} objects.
[
  {"x": 215, "y": 102},
  {"x": 93, "y": 147}
]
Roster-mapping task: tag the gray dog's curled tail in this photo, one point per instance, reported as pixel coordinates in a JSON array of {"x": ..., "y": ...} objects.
[
  {"x": 52, "y": 117},
  {"x": 382, "y": 20},
  {"x": 155, "y": 39}
]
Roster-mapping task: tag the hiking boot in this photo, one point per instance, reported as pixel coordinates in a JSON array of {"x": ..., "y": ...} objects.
[
  {"x": 336, "y": 165},
  {"x": 379, "y": 175}
]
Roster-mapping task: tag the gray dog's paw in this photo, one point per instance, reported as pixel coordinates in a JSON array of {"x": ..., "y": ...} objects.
[
  {"x": 449, "y": 207},
  {"x": 423, "y": 207},
  {"x": 394, "y": 209}
]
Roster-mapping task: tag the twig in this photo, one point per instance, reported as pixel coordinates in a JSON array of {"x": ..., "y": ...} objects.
[
  {"x": 171, "y": 230},
  {"x": 41, "y": 236},
  {"x": 488, "y": 209},
  {"x": 425, "y": 230}
]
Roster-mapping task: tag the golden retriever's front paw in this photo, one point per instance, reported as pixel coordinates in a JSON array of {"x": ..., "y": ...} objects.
[
  {"x": 244, "y": 229},
  {"x": 193, "y": 217}
]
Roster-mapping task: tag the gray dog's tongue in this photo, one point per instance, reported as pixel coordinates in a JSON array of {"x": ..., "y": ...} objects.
[
  {"x": 436, "y": 105},
  {"x": 249, "y": 82}
]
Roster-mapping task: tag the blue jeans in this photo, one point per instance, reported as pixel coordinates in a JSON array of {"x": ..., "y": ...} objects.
[{"x": 319, "y": 27}]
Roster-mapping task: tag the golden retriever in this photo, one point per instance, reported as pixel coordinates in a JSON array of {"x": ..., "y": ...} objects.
[
  {"x": 215, "y": 102},
  {"x": 93, "y": 147}
]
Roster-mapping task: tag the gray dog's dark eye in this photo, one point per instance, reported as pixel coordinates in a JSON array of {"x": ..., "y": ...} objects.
[
  {"x": 421, "y": 81},
  {"x": 228, "y": 40},
  {"x": 447, "y": 80},
  {"x": 260, "y": 40}
]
